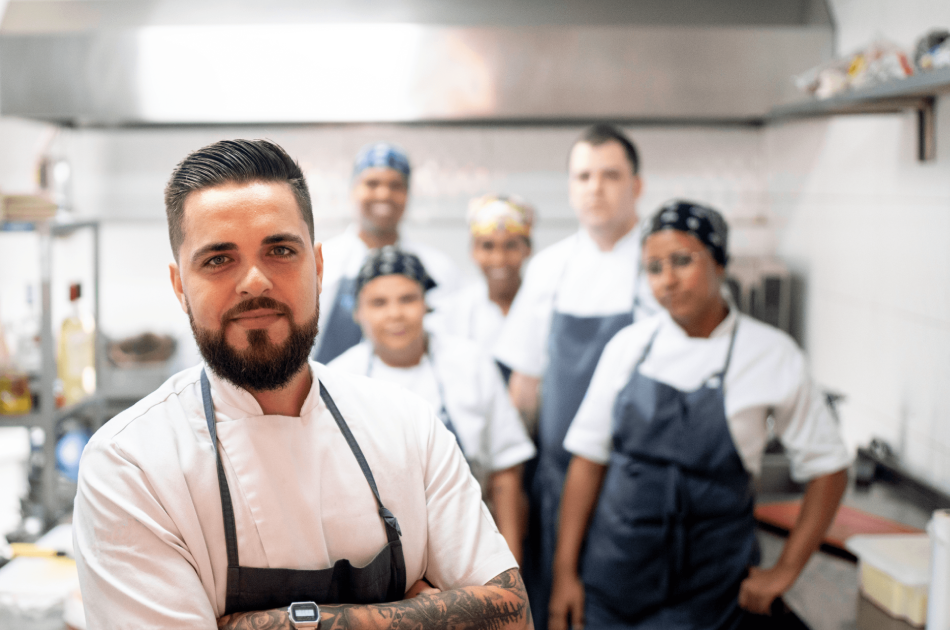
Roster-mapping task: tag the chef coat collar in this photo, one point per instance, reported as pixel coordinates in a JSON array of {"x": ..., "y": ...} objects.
[
  {"x": 235, "y": 403},
  {"x": 630, "y": 239},
  {"x": 724, "y": 329}
]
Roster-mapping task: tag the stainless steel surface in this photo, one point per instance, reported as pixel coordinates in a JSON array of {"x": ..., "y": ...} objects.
[{"x": 115, "y": 65}]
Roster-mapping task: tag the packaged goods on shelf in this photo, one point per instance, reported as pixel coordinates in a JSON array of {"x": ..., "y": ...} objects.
[{"x": 26, "y": 208}]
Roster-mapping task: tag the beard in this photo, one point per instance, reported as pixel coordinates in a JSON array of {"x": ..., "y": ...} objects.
[{"x": 263, "y": 365}]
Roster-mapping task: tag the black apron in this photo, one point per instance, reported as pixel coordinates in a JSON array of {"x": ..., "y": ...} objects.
[
  {"x": 672, "y": 535},
  {"x": 342, "y": 332},
  {"x": 251, "y": 589}
]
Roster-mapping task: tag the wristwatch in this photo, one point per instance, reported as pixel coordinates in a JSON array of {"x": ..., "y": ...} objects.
[{"x": 304, "y": 615}]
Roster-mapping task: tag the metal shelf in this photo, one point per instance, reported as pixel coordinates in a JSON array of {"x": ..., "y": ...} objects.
[
  {"x": 47, "y": 416},
  {"x": 918, "y": 92}
]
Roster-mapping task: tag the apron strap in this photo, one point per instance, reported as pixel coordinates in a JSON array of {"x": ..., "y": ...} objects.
[
  {"x": 392, "y": 525},
  {"x": 646, "y": 350},
  {"x": 227, "y": 509},
  {"x": 732, "y": 343}
]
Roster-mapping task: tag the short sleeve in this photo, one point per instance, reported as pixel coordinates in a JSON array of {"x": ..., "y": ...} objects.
[
  {"x": 808, "y": 430},
  {"x": 464, "y": 547},
  {"x": 590, "y": 434},
  {"x": 135, "y": 570},
  {"x": 507, "y": 438},
  {"x": 521, "y": 344}
]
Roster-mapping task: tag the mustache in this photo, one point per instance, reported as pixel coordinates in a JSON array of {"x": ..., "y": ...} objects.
[{"x": 256, "y": 303}]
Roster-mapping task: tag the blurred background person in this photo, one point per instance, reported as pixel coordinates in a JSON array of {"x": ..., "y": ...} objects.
[
  {"x": 576, "y": 295},
  {"x": 381, "y": 176},
  {"x": 666, "y": 444},
  {"x": 500, "y": 226},
  {"x": 453, "y": 374}
]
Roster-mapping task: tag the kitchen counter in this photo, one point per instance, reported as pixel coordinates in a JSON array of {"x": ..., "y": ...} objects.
[{"x": 826, "y": 593}]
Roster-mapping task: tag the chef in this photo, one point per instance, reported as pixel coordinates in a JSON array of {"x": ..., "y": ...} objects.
[
  {"x": 576, "y": 295},
  {"x": 380, "y": 191},
  {"x": 500, "y": 226},
  {"x": 262, "y": 490},
  {"x": 669, "y": 437},
  {"x": 453, "y": 374}
]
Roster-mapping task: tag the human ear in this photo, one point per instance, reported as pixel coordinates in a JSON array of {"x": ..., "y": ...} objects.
[{"x": 175, "y": 275}]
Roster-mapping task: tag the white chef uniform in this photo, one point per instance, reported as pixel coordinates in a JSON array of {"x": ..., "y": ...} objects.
[
  {"x": 148, "y": 528},
  {"x": 767, "y": 374},
  {"x": 345, "y": 253},
  {"x": 489, "y": 428},
  {"x": 471, "y": 314},
  {"x": 583, "y": 281}
]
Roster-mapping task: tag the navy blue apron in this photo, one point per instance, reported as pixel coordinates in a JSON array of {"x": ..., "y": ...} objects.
[
  {"x": 251, "y": 588},
  {"x": 342, "y": 332},
  {"x": 673, "y": 534},
  {"x": 574, "y": 348}
]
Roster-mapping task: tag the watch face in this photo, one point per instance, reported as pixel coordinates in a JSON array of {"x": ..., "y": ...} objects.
[{"x": 304, "y": 613}]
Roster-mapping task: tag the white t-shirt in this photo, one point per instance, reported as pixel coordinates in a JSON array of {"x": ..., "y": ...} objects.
[
  {"x": 472, "y": 315},
  {"x": 767, "y": 374},
  {"x": 489, "y": 428},
  {"x": 344, "y": 254},
  {"x": 583, "y": 281},
  {"x": 148, "y": 529}
]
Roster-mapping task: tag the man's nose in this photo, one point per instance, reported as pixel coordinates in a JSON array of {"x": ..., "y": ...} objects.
[{"x": 254, "y": 282}]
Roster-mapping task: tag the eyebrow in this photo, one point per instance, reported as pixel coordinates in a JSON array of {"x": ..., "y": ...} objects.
[
  {"x": 283, "y": 238},
  {"x": 212, "y": 247}
]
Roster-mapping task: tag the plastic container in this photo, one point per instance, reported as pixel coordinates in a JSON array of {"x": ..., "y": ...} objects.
[
  {"x": 895, "y": 573},
  {"x": 938, "y": 612}
]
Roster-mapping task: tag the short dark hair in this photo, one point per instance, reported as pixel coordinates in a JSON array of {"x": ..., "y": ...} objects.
[
  {"x": 232, "y": 161},
  {"x": 602, "y": 133}
]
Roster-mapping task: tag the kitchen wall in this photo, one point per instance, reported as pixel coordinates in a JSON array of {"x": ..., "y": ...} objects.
[
  {"x": 868, "y": 225},
  {"x": 118, "y": 177}
]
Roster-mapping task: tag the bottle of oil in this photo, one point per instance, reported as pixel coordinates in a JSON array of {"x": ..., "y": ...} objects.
[
  {"x": 77, "y": 348},
  {"x": 14, "y": 385}
]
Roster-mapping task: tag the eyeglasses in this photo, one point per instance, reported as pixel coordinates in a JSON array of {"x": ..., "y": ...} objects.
[{"x": 678, "y": 261}]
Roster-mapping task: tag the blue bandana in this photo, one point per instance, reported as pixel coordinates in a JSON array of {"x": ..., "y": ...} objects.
[
  {"x": 700, "y": 221},
  {"x": 382, "y": 155},
  {"x": 391, "y": 260}
]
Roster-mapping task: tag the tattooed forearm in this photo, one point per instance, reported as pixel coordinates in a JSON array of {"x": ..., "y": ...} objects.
[
  {"x": 261, "y": 620},
  {"x": 502, "y": 604}
]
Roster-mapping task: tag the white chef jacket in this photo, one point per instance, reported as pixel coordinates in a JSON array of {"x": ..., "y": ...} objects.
[
  {"x": 345, "y": 253},
  {"x": 469, "y": 313},
  {"x": 148, "y": 530},
  {"x": 767, "y": 374},
  {"x": 575, "y": 277},
  {"x": 489, "y": 428}
]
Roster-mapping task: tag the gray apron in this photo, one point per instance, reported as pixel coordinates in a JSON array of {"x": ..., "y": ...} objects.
[{"x": 251, "y": 589}]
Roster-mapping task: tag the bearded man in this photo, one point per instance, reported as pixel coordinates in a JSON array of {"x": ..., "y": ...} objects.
[{"x": 263, "y": 490}]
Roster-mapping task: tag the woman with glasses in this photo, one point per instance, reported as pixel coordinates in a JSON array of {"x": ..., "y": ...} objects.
[{"x": 667, "y": 442}]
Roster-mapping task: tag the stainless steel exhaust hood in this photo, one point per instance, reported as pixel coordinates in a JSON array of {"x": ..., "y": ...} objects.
[{"x": 114, "y": 63}]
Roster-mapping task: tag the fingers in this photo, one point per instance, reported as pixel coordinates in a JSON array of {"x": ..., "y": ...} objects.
[{"x": 752, "y": 600}]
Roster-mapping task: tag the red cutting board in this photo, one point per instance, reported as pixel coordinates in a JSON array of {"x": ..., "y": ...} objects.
[{"x": 847, "y": 523}]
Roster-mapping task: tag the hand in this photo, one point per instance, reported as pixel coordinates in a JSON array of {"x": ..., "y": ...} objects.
[
  {"x": 759, "y": 590},
  {"x": 421, "y": 588},
  {"x": 566, "y": 609}
]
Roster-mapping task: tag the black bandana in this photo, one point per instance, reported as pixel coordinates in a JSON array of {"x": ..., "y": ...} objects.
[
  {"x": 702, "y": 222},
  {"x": 390, "y": 260}
]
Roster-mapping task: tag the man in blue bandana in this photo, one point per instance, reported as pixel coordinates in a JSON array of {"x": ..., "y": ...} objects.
[{"x": 381, "y": 176}]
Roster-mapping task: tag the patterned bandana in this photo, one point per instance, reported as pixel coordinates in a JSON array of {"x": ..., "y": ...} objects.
[
  {"x": 382, "y": 155},
  {"x": 500, "y": 212},
  {"x": 700, "y": 221},
  {"x": 391, "y": 260}
]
